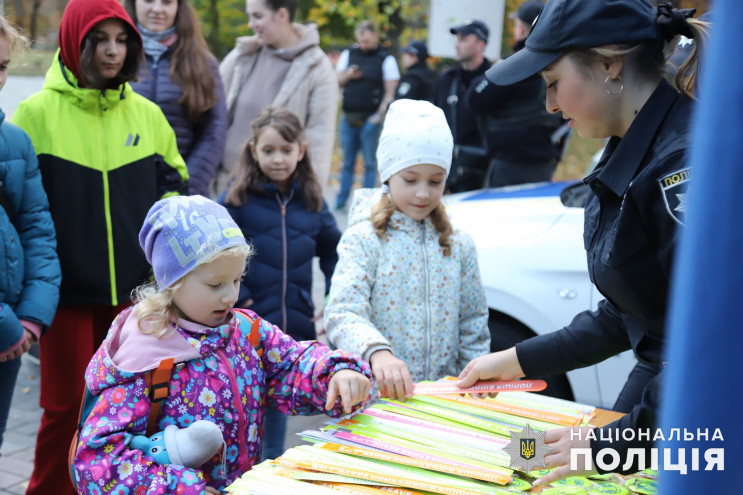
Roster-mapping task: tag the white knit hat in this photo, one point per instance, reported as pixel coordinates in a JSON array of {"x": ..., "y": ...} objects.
[{"x": 414, "y": 132}]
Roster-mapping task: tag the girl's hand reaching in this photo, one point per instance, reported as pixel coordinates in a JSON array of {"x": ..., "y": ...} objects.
[
  {"x": 351, "y": 386},
  {"x": 392, "y": 375}
]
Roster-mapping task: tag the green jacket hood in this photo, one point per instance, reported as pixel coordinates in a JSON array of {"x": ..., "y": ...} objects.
[{"x": 61, "y": 79}]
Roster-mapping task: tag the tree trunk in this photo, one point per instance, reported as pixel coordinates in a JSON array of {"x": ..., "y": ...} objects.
[
  {"x": 213, "y": 39},
  {"x": 34, "y": 20},
  {"x": 20, "y": 13}
]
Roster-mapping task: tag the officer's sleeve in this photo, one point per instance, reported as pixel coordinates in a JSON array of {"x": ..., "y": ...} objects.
[
  {"x": 591, "y": 337},
  {"x": 641, "y": 419}
]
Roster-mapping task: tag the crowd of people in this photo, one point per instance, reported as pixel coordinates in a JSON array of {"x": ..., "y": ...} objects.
[{"x": 158, "y": 205}]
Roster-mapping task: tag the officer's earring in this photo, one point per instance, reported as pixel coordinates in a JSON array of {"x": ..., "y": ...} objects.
[{"x": 617, "y": 84}]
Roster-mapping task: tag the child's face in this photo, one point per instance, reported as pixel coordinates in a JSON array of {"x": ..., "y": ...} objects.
[
  {"x": 208, "y": 293},
  {"x": 4, "y": 60},
  {"x": 277, "y": 157},
  {"x": 417, "y": 190},
  {"x": 110, "y": 51}
]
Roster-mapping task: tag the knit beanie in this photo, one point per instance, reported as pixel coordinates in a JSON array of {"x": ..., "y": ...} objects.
[
  {"x": 414, "y": 132},
  {"x": 181, "y": 232}
]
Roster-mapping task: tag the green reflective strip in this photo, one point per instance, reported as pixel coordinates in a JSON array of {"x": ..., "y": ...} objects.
[{"x": 110, "y": 240}]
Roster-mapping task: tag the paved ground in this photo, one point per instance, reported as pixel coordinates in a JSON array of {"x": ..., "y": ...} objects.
[{"x": 17, "y": 453}]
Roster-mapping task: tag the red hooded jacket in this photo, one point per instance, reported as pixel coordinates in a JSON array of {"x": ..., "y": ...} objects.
[{"x": 80, "y": 16}]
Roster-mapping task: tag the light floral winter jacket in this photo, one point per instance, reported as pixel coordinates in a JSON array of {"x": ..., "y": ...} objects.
[
  {"x": 401, "y": 293},
  {"x": 220, "y": 379}
]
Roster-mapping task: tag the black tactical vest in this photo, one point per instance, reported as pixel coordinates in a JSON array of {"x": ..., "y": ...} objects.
[{"x": 365, "y": 94}]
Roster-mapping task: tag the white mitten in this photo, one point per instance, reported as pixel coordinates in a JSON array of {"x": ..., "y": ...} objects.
[{"x": 193, "y": 446}]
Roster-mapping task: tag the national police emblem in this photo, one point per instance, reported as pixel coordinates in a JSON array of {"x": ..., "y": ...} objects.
[
  {"x": 674, "y": 187},
  {"x": 527, "y": 449}
]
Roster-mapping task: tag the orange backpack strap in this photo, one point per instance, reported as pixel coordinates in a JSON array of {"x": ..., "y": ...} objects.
[
  {"x": 157, "y": 383},
  {"x": 255, "y": 331}
]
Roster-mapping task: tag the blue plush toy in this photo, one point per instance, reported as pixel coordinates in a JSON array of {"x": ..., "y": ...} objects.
[{"x": 190, "y": 447}]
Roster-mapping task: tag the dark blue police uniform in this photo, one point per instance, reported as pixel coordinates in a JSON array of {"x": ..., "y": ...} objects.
[{"x": 636, "y": 204}]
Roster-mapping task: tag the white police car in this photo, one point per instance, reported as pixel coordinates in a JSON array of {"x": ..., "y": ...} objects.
[{"x": 529, "y": 240}]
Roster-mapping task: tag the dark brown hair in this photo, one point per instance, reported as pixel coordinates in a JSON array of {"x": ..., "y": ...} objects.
[
  {"x": 90, "y": 77},
  {"x": 248, "y": 177},
  {"x": 289, "y": 5},
  {"x": 383, "y": 210},
  {"x": 191, "y": 68}
]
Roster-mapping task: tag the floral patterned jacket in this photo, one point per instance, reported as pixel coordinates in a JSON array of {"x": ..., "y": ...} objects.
[
  {"x": 222, "y": 380},
  {"x": 401, "y": 293}
]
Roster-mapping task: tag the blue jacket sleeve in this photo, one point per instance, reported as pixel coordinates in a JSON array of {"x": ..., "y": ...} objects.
[
  {"x": 327, "y": 244},
  {"x": 40, "y": 294},
  {"x": 209, "y": 141}
]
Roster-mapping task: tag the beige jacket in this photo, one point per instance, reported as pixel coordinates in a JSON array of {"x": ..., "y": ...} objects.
[{"x": 310, "y": 90}]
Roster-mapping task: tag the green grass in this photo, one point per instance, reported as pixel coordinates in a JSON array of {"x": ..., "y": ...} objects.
[
  {"x": 577, "y": 158},
  {"x": 30, "y": 62}
]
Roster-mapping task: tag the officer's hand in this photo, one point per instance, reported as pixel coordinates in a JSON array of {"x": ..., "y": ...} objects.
[
  {"x": 502, "y": 365},
  {"x": 562, "y": 441}
]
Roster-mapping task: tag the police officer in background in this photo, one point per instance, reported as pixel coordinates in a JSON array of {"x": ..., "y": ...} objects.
[
  {"x": 470, "y": 159},
  {"x": 419, "y": 81},
  {"x": 368, "y": 75},
  {"x": 524, "y": 141}
]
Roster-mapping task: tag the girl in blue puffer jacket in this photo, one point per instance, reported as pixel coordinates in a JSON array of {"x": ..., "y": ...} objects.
[
  {"x": 277, "y": 201},
  {"x": 29, "y": 267}
]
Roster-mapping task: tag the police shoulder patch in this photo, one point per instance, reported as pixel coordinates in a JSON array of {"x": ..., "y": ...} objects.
[{"x": 674, "y": 188}]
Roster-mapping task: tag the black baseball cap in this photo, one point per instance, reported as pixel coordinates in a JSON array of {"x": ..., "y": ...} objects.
[
  {"x": 528, "y": 11},
  {"x": 472, "y": 27},
  {"x": 566, "y": 25},
  {"x": 417, "y": 48}
]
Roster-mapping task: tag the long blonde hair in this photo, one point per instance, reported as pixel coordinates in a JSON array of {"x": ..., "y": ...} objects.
[
  {"x": 650, "y": 57},
  {"x": 156, "y": 312},
  {"x": 15, "y": 39},
  {"x": 383, "y": 210}
]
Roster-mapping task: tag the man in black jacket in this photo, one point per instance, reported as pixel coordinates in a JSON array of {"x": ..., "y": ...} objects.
[
  {"x": 470, "y": 160},
  {"x": 419, "y": 81},
  {"x": 524, "y": 142}
]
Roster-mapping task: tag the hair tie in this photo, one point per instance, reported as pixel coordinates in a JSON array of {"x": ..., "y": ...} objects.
[
  {"x": 385, "y": 188},
  {"x": 672, "y": 21}
]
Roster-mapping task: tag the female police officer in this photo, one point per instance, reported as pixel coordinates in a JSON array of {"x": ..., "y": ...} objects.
[{"x": 603, "y": 62}]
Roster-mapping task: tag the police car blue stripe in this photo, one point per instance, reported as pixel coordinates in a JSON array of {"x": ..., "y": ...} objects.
[{"x": 528, "y": 191}]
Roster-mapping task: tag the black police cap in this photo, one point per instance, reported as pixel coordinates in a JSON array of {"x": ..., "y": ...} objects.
[{"x": 566, "y": 25}]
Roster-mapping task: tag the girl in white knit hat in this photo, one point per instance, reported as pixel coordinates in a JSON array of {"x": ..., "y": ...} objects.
[{"x": 406, "y": 292}]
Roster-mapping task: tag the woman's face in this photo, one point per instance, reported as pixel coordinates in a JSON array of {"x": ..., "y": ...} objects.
[
  {"x": 156, "y": 15},
  {"x": 582, "y": 98},
  {"x": 264, "y": 22},
  {"x": 110, "y": 50}
]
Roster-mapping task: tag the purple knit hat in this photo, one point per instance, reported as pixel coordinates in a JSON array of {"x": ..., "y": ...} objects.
[{"x": 180, "y": 232}]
